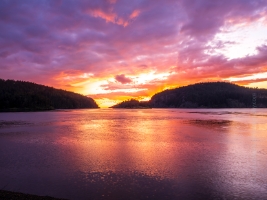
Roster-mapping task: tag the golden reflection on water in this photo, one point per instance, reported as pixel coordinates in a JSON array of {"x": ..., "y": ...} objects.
[
  {"x": 168, "y": 146},
  {"x": 152, "y": 153},
  {"x": 135, "y": 145}
]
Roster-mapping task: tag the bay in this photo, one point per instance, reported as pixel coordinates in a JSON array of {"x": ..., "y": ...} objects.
[{"x": 136, "y": 154}]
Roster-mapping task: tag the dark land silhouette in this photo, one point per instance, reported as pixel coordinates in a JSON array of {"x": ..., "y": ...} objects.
[
  {"x": 205, "y": 95},
  {"x": 21, "y": 196},
  {"x": 27, "y": 96},
  {"x": 132, "y": 103}
]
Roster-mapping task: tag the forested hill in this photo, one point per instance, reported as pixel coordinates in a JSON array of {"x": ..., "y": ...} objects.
[
  {"x": 26, "y": 96},
  {"x": 132, "y": 103},
  {"x": 211, "y": 95}
]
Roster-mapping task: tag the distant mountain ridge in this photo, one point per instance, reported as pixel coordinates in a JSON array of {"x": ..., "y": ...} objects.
[
  {"x": 27, "y": 96},
  {"x": 210, "y": 95}
]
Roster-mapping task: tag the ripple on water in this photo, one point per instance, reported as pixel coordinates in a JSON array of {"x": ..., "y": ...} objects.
[{"x": 5, "y": 124}]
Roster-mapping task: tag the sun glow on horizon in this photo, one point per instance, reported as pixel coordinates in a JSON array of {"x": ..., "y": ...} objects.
[{"x": 140, "y": 86}]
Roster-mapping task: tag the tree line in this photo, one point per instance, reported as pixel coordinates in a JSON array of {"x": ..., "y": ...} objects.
[
  {"x": 211, "y": 95},
  {"x": 204, "y": 95},
  {"x": 27, "y": 96}
]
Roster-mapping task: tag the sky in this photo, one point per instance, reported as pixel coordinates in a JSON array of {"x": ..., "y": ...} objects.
[{"x": 114, "y": 50}]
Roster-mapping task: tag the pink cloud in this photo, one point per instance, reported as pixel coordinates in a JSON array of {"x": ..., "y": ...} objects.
[{"x": 134, "y": 14}]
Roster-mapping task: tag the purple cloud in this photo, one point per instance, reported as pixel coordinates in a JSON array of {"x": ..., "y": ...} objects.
[
  {"x": 122, "y": 79},
  {"x": 49, "y": 41}
]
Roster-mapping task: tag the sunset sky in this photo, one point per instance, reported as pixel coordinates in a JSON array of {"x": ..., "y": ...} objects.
[{"x": 113, "y": 50}]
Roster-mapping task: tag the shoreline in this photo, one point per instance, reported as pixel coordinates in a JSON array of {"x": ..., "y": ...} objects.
[{"x": 4, "y": 194}]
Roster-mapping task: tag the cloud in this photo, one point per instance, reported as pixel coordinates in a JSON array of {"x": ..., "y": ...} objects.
[
  {"x": 246, "y": 82},
  {"x": 122, "y": 79},
  {"x": 61, "y": 43},
  {"x": 134, "y": 14}
]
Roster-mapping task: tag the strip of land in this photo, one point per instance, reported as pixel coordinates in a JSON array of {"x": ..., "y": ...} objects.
[{"x": 20, "y": 196}]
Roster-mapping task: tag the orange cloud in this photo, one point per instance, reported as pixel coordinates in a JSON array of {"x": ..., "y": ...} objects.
[
  {"x": 134, "y": 14},
  {"x": 247, "y": 82},
  {"x": 108, "y": 16}
]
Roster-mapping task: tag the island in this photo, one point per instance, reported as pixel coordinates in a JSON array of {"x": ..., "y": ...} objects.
[
  {"x": 204, "y": 95},
  {"x": 27, "y": 96},
  {"x": 211, "y": 95},
  {"x": 133, "y": 104}
]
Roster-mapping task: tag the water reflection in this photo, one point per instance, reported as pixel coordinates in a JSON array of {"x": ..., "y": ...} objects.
[
  {"x": 136, "y": 154},
  {"x": 137, "y": 146}
]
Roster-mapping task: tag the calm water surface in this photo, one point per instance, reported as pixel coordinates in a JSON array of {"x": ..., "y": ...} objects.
[{"x": 136, "y": 154}]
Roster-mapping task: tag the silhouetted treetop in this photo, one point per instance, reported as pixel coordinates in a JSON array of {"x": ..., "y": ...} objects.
[
  {"x": 21, "y": 95},
  {"x": 211, "y": 95},
  {"x": 132, "y": 103}
]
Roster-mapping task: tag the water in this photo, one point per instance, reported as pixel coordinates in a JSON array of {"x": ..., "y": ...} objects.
[{"x": 136, "y": 154}]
